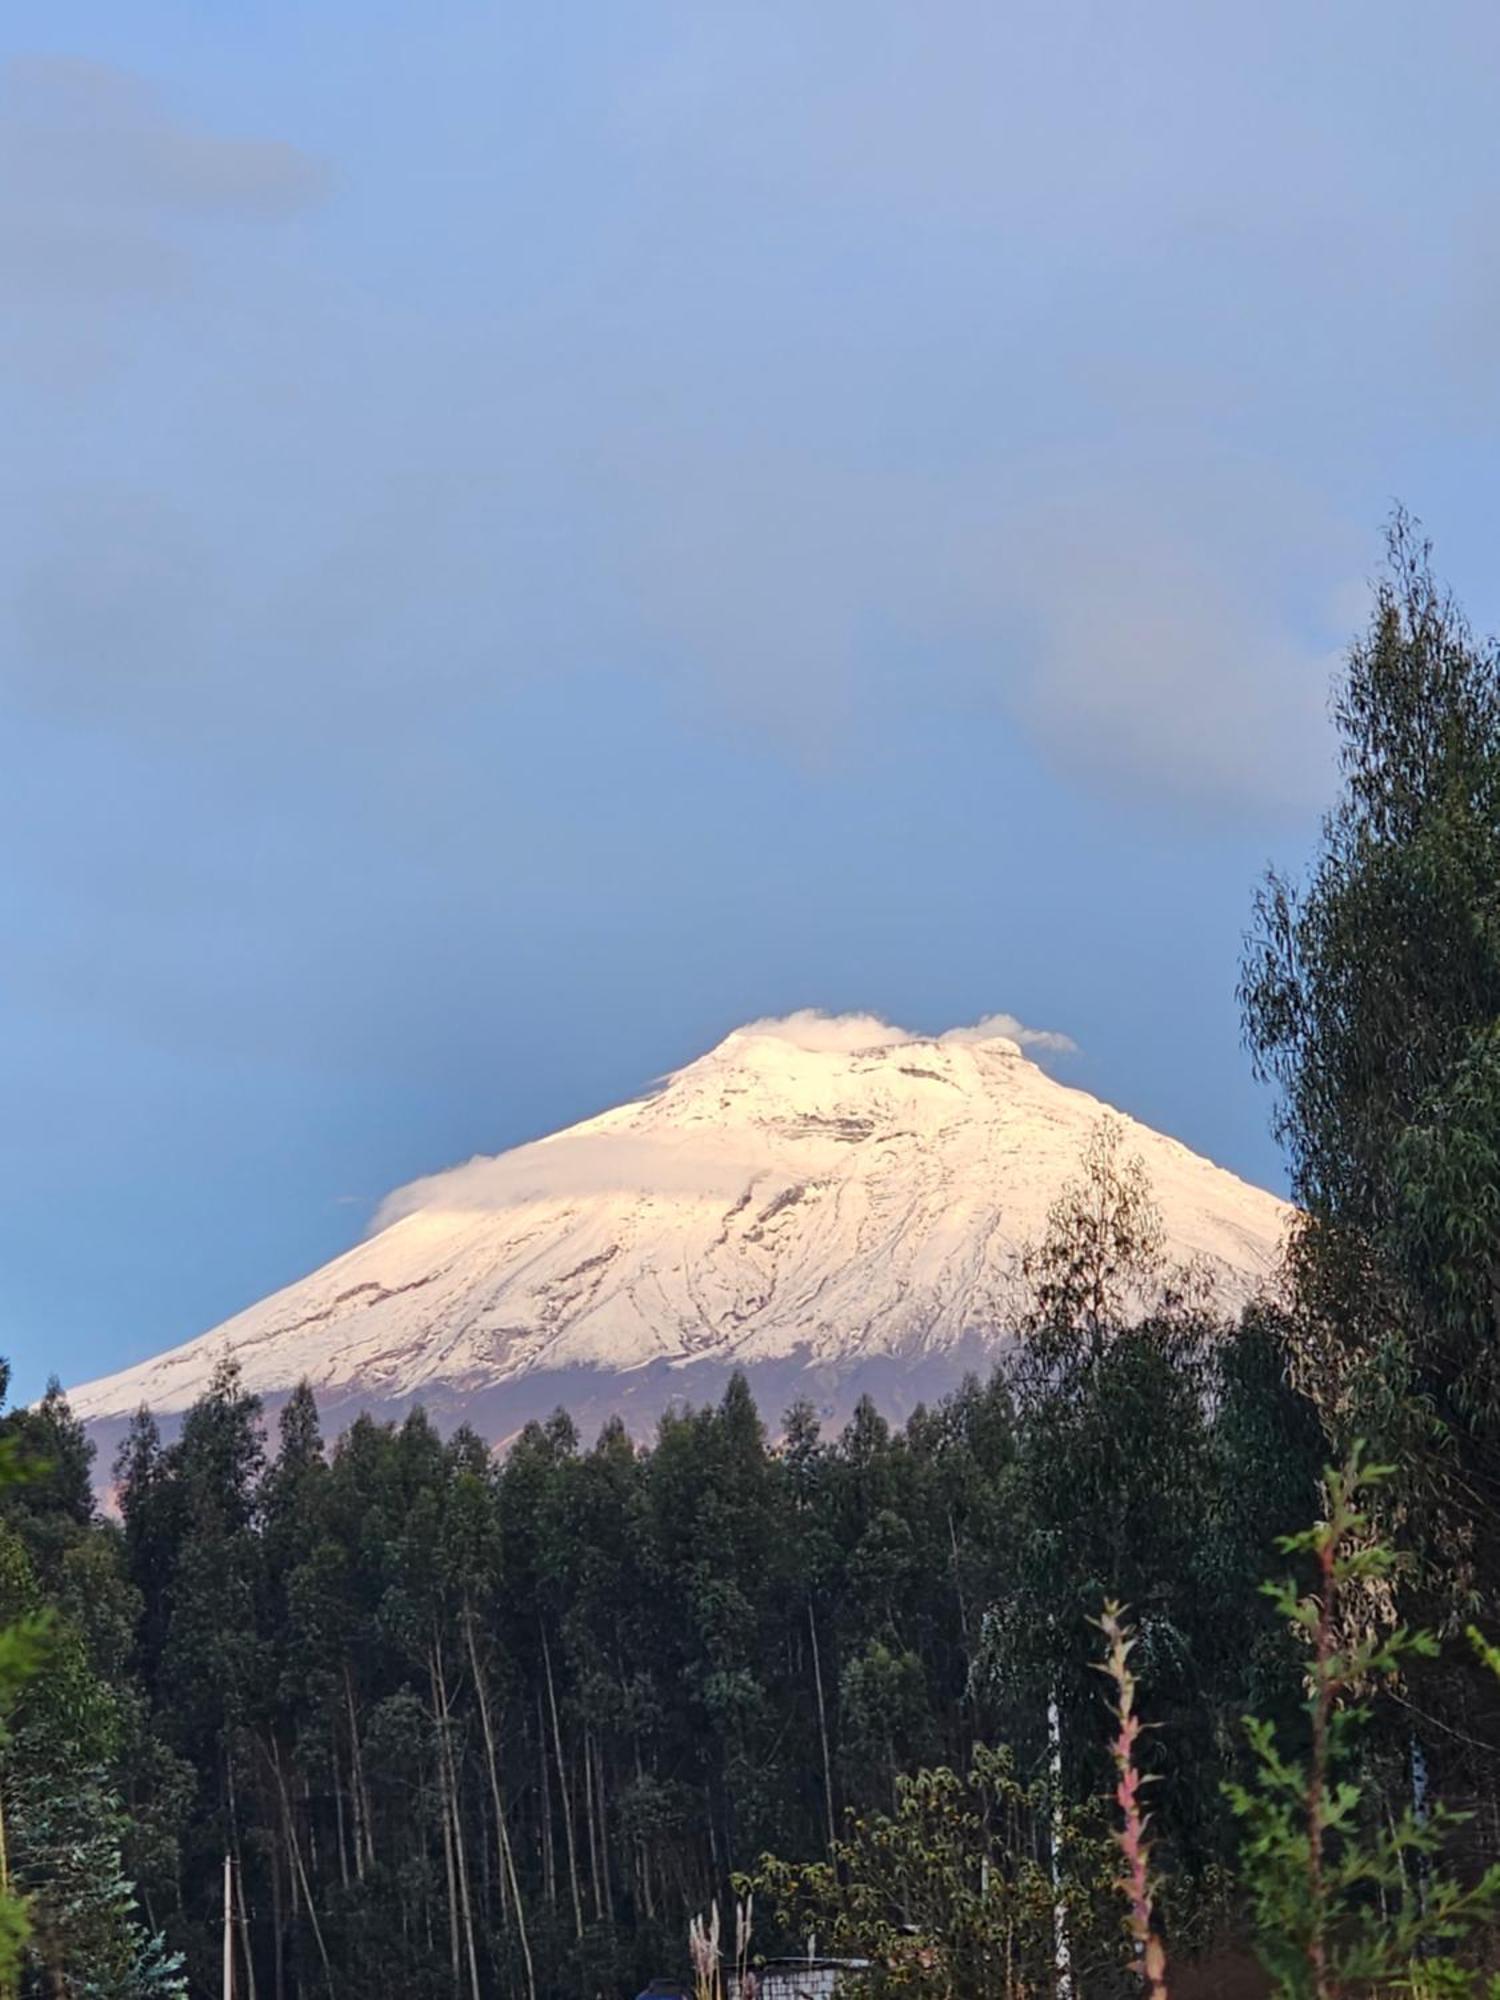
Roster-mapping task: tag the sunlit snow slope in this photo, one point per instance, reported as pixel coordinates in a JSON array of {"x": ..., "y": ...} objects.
[{"x": 813, "y": 1200}]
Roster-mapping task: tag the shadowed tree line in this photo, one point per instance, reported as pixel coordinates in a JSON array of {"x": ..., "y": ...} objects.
[{"x": 482, "y": 1726}]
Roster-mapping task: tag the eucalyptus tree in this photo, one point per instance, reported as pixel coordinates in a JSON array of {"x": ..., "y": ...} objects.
[
  {"x": 1371, "y": 996},
  {"x": 69, "y": 1718},
  {"x": 1111, "y": 1486}
]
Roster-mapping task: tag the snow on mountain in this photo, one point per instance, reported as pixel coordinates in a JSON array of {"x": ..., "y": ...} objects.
[{"x": 818, "y": 1200}]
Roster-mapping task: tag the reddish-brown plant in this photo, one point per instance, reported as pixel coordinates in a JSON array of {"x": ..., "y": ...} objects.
[{"x": 1135, "y": 1882}]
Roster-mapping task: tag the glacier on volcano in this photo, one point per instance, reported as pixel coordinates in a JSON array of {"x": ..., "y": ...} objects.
[{"x": 816, "y": 1196}]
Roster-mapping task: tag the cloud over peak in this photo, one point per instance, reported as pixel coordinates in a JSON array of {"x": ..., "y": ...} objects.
[
  {"x": 618, "y": 1152},
  {"x": 819, "y": 1033}
]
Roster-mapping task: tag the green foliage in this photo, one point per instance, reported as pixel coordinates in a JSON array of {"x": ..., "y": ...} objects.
[
  {"x": 68, "y": 1913},
  {"x": 470, "y": 1726},
  {"x": 1341, "y": 1903},
  {"x": 23, "y": 1642},
  {"x": 1119, "y": 1401},
  {"x": 1101, "y": 1260},
  {"x": 975, "y": 1880},
  {"x": 1362, "y": 990},
  {"x": 951, "y": 1893},
  {"x": 1371, "y": 995}
]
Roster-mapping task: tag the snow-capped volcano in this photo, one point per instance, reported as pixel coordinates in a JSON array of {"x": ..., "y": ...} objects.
[{"x": 812, "y": 1200}]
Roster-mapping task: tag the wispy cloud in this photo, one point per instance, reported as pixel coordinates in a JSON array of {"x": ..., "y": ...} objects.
[
  {"x": 1159, "y": 629},
  {"x": 102, "y": 184},
  {"x": 1005, "y": 1027},
  {"x": 811, "y": 1029}
]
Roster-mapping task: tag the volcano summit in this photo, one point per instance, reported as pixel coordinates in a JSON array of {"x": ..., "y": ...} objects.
[{"x": 829, "y": 1204}]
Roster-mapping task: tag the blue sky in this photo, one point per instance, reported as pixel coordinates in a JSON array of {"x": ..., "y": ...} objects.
[{"x": 534, "y": 535}]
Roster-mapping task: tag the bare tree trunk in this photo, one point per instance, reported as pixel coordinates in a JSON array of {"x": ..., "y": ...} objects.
[
  {"x": 606, "y": 1909},
  {"x": 278, "y": 1920},
  {"x": 294, "y": 1848},
  {"x": 812, "y": 1626},
  {"x": 296, "y": 1888},
  {"x": 589, "y": 1826},
  {"x": 643, "y": 1850},
  {"x": 1061, "y": 1950},
  {"x": 562, "y": 1782},
  {"x": 338, "y": 1806},
  {"x": 239, "y": 1873},
  {"x": 958, "y": 1584},
  {"x": 463, "y": 1876},
  {"x": 314, "y": 1864},
  {"x": 449, "y": 1865},
  {"x": 502, "y": 1840},
  {"x": 228, "y": 1967},
  {"x": 549, "y": 1858},
  {"x": 364, "y": 1839},
  {"x": 450, "y": 1787},
  {"x": 507, "y": 1858}
]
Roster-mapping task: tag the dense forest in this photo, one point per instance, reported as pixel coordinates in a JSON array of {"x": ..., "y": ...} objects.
[
  {"x": 473, "y": 1725},
  {"x": 468, "y": 1726}
]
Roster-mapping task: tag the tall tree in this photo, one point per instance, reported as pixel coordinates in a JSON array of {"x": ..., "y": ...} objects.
[
  {"x": 1371, "y": 996},
  {"x": 70, "y": 1723},
  {"x": 1112, "y": 1380}
]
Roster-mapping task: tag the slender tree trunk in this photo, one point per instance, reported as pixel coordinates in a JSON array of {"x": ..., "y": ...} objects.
[
  {"x": 589, "y": 1822},
  {"x": 549, "y": 1859},
  {"x": 1061, "y": 1950},
  {"x": 450, "y": 1789},
  {"x": 338, "y": 1807},
  {"x": 294, "y": 1849},
  {"x": 296, "y": 1888},
  {"x": 503, "y": 1843},
  {"x": 364, "y": 1839},
  {"x": 228, "y": 1966},
  {"x": 278, "y": 1924},
  {"x": 608, "y": 1910},
  {"x": 507, "y": 1858},
  {"x": 812, "y": 1626},
  {"x": 484, "y": 1887},
  {"x": 239, "y": 1871},
  {"x": 246, "y": 1942},
  {"x": 958, "y": 1584},
  {"x": 643, "y": 1850},
  {"x": 455, "y": 1961},
  {"x": 1421, "y": 1812},
  {"x": 562, "y": 1782},
  {"x": 463, "y": 1876},
  {"x": 450, "y": 1865}
]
